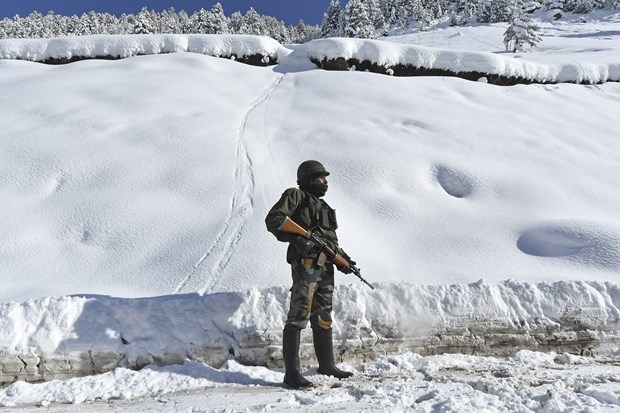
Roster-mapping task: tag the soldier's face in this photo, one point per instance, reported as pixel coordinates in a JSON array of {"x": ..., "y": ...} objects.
[{"x": 320, "y": 180}]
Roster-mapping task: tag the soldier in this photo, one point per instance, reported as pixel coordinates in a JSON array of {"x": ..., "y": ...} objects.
[{"x": 313, "y": 277}]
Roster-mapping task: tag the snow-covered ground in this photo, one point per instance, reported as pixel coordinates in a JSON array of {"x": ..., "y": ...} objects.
[
  {"x": 524, "y": 382},
  {"x": 134, "y": 193}
]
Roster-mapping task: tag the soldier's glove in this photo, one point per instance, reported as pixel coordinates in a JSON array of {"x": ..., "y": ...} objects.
[{"x": 303, "y": 245}]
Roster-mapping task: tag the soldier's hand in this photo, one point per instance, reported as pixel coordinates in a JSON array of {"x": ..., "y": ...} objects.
[
  {"x": 345, "y": 270},
  {"x": 303, "y": 245}
]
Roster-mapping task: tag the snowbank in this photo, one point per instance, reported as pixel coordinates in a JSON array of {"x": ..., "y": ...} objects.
[
  {"x": 405, "y": 59},
  {"x": 335, "y": 53},
  {"x": 68, "y": 336},
  {"x": 66, "y": 49}
]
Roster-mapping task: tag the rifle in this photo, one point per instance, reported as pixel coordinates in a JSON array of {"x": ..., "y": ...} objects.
[{"x": 292, "y": 227}]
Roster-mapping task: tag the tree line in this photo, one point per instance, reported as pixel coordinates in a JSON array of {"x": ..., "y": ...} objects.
[{"x": 356, "y": 18}]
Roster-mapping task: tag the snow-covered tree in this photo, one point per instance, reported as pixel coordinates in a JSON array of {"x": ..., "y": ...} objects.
[
  {"x": 406, "y": 12},
  {"x": 521, "y": 32},
  {"x": 333, "y": 21},
  {"x": 356, "y": 20},
  {"x": 373, "y": 9},
  {"x": 390, "y": 10},
  {"x": 143, "y": 23},
  {"x": 276, "y": 29},
  {"x": 219, "y": 24},
  {"x": 88, "y": 24},
  {"x": 553, "y": 4},
  {"x": 583, "y": 6},
  {"x": 495, "y": 10},
  {"x": 531, "y": 6},
  {"x": 125, "y": 24},
  {"x": 423, "y": 15},
  {"x": 236, "y": 23},
  {"x": 254, "y": 23},
  {"x": 169, "y": 22},
  {"x": 201, "y": 21},
  {"x": 467, "y": 9}
]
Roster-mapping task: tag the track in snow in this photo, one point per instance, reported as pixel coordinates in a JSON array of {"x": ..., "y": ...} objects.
[{"x": 218, "y": 255}]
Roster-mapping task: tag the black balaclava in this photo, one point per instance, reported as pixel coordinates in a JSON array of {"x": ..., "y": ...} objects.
[{"x": 315, "y": 188}]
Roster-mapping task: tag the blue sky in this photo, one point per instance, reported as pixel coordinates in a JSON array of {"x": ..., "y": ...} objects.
[{"x": 311, "y": 11}]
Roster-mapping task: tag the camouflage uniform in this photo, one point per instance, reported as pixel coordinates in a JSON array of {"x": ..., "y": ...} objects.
[
  {"x": 313, "y": 285},
  {"x": 313, "y": 278}
]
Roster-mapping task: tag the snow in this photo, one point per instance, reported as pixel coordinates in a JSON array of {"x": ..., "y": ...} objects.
[
  {"x": 527, "y": 381},
  {"x": 134, "y": 193},
  {"x": 133, "y": 45}
]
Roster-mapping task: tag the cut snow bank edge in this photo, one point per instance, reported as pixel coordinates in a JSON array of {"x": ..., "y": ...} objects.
[{"x": 64, "y": 337}]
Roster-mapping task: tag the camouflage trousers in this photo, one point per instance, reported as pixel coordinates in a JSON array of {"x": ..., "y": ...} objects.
[{"x": 311, "y": 297}]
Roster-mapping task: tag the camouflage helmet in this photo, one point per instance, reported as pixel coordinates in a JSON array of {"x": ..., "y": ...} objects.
[{"x": 308, "y": 170}]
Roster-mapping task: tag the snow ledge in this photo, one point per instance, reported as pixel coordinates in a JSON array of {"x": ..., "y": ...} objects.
[{"x": 64, "y": 337}]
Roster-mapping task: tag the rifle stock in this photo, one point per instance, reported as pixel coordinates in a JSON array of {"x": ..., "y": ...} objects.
[{"x": 292, "y": 227}]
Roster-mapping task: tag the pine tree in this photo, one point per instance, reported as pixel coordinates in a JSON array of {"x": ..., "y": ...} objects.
[
  {"x": 422, "y": 15},
  {"x": 466, "y": 9},
  {"x": 493, "y": 11},
  {"x": 88, "y": 24},
  {"x": 126, "y": 23},
  {"x": 390, "y": 10},
  {"x": 219, "y": 24},
  {"x": 143, "y": 23},
  {"x": 373, "y": 9},
  {"x": 236, "y": 23},
  {"x": 356, "y": 20},
  {"x": 276, "y": 29},
  {"x": 521, "y": 32},
  {"x": 406, "y": 12},
  {"x": 333, "y": 23},
  {"x": 553, "y": 4},
  {"x": 169, "y": 21},
  {"x": 200, "y": 21},
  {"x": 254, "y": 22},
  {"x": 581, "y": 6}
]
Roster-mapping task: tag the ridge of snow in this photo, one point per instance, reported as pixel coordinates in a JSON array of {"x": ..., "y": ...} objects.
[
  {"x": 382, "y": 53},
  {"x": 139, "y": 44},
  {"x": 389, "y": 54}
]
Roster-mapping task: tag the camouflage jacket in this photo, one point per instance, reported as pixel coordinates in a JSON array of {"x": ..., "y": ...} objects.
[{"x": 307, "y": 210}]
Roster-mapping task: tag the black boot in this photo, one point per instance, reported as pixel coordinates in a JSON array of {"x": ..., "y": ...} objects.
[
  {"x": 324, "y": 349},
  {"x": 290, "y": 352}
]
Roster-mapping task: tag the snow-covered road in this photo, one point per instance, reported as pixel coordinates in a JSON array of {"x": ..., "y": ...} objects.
[{"x": 525, "y": 382}]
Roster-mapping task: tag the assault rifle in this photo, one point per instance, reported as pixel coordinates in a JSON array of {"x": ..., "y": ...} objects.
[{"x": 320, "y": 244}]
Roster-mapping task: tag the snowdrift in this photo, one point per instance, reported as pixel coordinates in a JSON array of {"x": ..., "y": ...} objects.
[{"x": 73, "y": 336}]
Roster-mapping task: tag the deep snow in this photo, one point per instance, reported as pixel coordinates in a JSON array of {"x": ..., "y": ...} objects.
[{"x": 151, "y": 176}]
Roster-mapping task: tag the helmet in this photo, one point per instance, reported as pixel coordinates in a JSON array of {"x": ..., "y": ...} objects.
[{"x": 308, "y": 170}]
